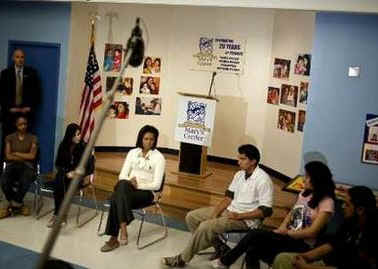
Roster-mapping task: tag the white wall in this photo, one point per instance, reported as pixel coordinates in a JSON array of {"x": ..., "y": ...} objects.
[
  {"x": 293, "y": 32},
  {"x": 242, "y": 113},
  {"x": 173, "y": 34}
]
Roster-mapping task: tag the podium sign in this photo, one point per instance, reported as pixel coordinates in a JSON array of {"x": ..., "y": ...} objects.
[
  {"x": 194, "y": 129},
  {"x": 195, "y": 119}
]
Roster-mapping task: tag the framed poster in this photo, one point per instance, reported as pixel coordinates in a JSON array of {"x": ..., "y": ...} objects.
[{"x": 370, "y": 143}]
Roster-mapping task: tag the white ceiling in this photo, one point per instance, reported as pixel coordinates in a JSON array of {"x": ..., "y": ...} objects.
[{"x": 366, "y": 6}]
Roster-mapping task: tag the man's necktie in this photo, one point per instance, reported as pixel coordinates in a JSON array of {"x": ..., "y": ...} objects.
[{"x": 18, "y": 88}]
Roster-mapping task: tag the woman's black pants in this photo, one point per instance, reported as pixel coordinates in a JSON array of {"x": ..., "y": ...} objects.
[{"x": 124, "y": 199}]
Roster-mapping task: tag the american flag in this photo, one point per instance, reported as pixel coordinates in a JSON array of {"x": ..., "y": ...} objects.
[{"x": 91, "y": 97}]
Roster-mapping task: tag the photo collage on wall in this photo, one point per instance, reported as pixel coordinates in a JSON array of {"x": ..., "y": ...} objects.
[
  {"x": 113, "y": 56},
  {"x": 370, "y": 142},
  {"x": 149, "y": 101},
  {"x": 290, "y": 96}
]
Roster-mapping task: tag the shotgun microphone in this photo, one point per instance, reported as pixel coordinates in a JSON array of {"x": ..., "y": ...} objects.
[{"x": 137, "y": 44}]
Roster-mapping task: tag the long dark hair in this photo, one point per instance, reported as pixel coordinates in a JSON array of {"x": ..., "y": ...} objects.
[
  {"x": 65, "y": 146},
  {"x": 362, "y": 196},
  {"x": 147, "y": 129},
  {"x": 321, "y": 181}
]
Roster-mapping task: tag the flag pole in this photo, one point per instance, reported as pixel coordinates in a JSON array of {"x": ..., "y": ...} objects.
[{"x": 80, "y": 170}]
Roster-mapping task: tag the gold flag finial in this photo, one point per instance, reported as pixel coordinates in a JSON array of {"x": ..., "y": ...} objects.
[{"x": 93, "y": 18}]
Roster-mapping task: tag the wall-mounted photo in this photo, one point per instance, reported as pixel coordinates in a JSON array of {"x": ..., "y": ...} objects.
[
  {"x": 370, "y": 154},
  {"x": 151, "y": 65},
  {"x": 301, "y": 120},
  {"x": 125, "y": 87},
  {"x": 119, "y": 110},
  {"x": 289, "y": 95},
  {"x": 303, "y": 93},
  {"x": 149, "y": 85},
  {"x": 273, "y": 96},
  {"x": 373, "y": 135},
  {"x": 281, "y": 68},
  {"x": 303, "y": 65},
  {"x": 113, "y": 58},
  {"x": 286, "y": 120},
  {"x": 147, "y": 106}
]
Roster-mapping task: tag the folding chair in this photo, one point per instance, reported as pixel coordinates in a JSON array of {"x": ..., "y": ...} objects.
[
  {"x": 156, "y": 203},
  {"x": 42, "y": 186},
  {"x": 142, "y": 212},
  {"x": 86, "y": 186}
]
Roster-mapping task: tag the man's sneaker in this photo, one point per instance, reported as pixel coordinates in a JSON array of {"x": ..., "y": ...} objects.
[
  {"x": 4, "y": 212},
  {"x": 217, "y": 264},
  {"x": 220, "y": 250},
  {"x": 175, "y": 261}
]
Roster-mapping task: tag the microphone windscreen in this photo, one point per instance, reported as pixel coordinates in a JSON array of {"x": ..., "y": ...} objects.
[{"x": 137, "y": 56}]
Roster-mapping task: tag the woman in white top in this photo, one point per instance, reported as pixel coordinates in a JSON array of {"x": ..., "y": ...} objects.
[{"x": 141, "y": 174}]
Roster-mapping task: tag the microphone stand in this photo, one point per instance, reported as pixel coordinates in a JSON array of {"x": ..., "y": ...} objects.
[
  {"x": 80, "y": 170},
  {"x": 212, "y": 82}
]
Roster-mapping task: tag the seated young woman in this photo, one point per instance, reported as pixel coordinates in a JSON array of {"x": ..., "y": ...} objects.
[
  {"x": 69, "y": 154},
  {"x": 299, "y": 230},
  {"x": 141, "y": 174}
]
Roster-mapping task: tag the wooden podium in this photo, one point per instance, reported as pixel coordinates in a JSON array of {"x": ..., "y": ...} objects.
[
  {"x": 193, "y": 160},
  {"x": 193, "y": 157}
]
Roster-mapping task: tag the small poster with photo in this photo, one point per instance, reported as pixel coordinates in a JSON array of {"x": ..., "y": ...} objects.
[
  {"x": 273, "y": 96},
  {"x": 113, "y": 58},
  {"x": 149, "y": 85},
  {"x": 373, "y": 135},
  {"x": 151, "y": 65},
  {"x": 289, "y": 95},
  {"x": 147, "y": 106},
  {"x": 370, "y": 143},
  {"x": 301, "y": 120},
  {"x": 286, "y": 120},
  {"x": 303, "y": 93},
  {"x": 281, "y": 68},
  {"x": 119, "y": 110},
  {"x": 303, "y": 65},
  {"x": 124, "y": 88},
  {"x": 370, "y": 154}
]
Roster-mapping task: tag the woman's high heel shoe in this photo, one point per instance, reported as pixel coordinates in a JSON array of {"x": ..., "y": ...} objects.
[{"x": 123, "y": 242}]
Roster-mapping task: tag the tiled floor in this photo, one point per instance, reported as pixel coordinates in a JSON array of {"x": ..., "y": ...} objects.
[{"x": 81, "y": 245}]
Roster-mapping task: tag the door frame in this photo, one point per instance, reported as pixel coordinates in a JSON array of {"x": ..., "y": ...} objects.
[{"x": 12, "y": 43}]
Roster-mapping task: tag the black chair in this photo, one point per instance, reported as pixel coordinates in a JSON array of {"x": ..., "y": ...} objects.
[
  {"x": 42, "y": 185},
  {"x": 142, "y": 213},
  {"x": 35, "y": 201},
  {"x": 47, "y": 187}
]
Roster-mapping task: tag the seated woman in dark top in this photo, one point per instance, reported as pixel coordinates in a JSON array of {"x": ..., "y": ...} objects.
[{"x": 69, "y": 154}]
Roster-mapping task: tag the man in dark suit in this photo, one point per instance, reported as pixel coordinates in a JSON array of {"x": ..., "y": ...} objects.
[{"x": 19, "y": 93}]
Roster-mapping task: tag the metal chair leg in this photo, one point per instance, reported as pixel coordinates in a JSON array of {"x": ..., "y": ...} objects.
[
  {"x": 163, "y": 223},
  {"x": 99, "y": 233},
  {"x": 39, "y": 203},
  {"x": 81, "y": 224}
]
